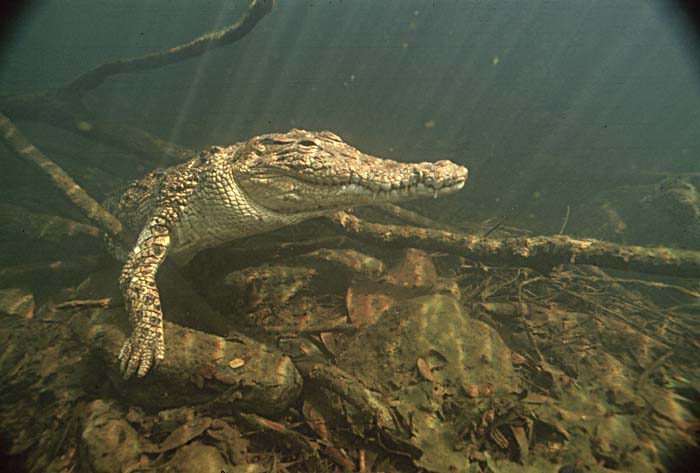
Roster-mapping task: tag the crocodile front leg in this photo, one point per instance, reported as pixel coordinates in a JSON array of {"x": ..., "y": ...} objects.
[{"x": 145, "y": 346}]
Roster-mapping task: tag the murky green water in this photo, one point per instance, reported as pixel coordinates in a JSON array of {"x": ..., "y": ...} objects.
[{"x": 543, "y": 318}]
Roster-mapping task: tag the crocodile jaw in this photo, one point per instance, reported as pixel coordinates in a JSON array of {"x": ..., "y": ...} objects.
[{"x": 301, "y": 172}]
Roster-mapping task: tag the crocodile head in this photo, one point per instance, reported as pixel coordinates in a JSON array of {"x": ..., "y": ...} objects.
[{"x": 303, "y": 171}]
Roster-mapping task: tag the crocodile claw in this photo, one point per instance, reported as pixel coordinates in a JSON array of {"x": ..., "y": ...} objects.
[{"x": 144, "y": 348}]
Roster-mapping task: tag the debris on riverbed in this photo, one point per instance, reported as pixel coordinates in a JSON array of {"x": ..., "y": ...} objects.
[{"x": 437, "y": 364}]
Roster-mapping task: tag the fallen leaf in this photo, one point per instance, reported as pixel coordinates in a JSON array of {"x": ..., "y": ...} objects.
[{"x": 424, "y": 369}]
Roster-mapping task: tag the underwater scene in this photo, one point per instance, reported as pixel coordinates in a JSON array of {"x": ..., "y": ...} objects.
[{"x": 308, "y": 236}]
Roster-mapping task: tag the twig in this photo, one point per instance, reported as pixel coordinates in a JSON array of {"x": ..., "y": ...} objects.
[
  {"x": 521, "y": 314},
  {"x": 654, "y": 284},
  {"x": 661, "y": 315},
  {"x": 566, "y": 220},
  {"x": 74, "y": 304},
  {"x": 641, "y": 381},
  {"x": 494, "y": 228},
  {"x": 619, "y": 316},
  {"x": 498, "y": 224}
]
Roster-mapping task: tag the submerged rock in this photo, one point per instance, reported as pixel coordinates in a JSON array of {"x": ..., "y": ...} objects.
[
  {"x": 413, "y": 275},
  {"x": 17, "y": 302},
  {"x": 266, "y": 285},
  {"x": 197, "y": 457},
  {"x": 416, "y": 269},
  {"x": 109, "y": 442},
  {"x": 439, "y": 370},
  {"x": 352, "y": 261}
]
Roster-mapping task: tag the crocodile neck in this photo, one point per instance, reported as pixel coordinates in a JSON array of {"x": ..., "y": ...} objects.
[{"x": 213, "y": 218}]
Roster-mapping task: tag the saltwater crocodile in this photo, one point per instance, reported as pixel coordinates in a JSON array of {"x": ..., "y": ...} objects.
[{"x": 225, "y": 193}]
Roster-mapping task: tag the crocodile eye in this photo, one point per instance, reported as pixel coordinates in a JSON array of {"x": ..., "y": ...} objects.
[{"x": 307, "y": 143}]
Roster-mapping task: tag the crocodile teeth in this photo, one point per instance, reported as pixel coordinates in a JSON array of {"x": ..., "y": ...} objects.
[{"x": 435, "y": 194}]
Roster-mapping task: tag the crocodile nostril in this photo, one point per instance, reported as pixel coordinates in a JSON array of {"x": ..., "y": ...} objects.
[{"x": 307, "y": 143}]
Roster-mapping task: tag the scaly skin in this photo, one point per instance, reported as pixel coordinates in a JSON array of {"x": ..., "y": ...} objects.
[{"x": 268, "y": 182}]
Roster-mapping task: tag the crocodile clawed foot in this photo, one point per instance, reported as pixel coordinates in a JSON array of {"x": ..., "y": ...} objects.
[{"x": 141, "y": 351}]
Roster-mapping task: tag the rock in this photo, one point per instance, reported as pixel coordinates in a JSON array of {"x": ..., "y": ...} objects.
[
  {"x": 349, "y": 260},
  {"x": 266, "y": 285},
  {"x": 196, "y": 457},
  {"x": 109, "y": 442},
  {"x": 448, "y": 287},
  {"x": 184, "y": 433},
  {"x": 438, "y": 368},
  {"x": 413, "y": 276},
  {"x": 416, "y": 269},
  {"x": 436, "y": 329},
  {"x": 366, "y": 302},
  {"x": 17, "y": 302}
]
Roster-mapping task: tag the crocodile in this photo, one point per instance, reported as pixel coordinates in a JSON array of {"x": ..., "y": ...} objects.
[{"x": 226, "y": 193}]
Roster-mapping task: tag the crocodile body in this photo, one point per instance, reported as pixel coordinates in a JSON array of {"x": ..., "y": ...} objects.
[{"x": 225, "y": 193}]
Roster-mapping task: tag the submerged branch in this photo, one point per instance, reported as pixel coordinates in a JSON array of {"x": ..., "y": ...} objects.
[
  {"x": 135, "y": 141},
  {"x": 79, "y": 265},
  {"x": 411, "y": 217},
  {"x": 56, "y": 109},
  {"x": 92, "y": 79},
  {"x": 63, "y": 107},
  {"x": 540, "y": 252},
  {"x": 25, "y": 150},
  {"x": 22, "y": 223}
]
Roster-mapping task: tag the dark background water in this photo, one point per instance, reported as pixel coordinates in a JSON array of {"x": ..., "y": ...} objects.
[{"x": 549, "y": 103}]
